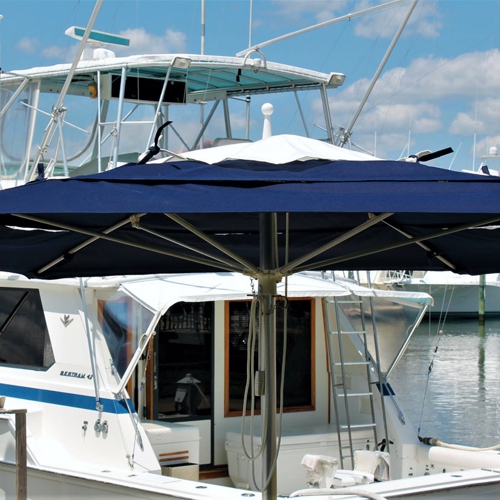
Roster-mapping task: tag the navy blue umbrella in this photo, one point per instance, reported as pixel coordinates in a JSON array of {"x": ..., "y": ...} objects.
[{"x": 191, "y": 217}]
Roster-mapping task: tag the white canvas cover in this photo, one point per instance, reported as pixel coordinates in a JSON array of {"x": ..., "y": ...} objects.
[
  {"x": 159, "y": 292},
  {"x": 277, "y": 149}
]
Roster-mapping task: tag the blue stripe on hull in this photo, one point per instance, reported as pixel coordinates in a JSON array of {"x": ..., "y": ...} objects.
[{"x": 63, "y": 398}]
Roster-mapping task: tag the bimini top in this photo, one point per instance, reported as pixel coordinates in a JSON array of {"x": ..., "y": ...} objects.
[{"x": 203, "y": 76}]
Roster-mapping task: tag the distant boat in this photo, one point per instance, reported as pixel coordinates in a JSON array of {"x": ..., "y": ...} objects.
[{"x": 453, "y": 294}]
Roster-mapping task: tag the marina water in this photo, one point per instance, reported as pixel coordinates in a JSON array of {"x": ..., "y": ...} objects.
[{"x": 459, "y": 400}]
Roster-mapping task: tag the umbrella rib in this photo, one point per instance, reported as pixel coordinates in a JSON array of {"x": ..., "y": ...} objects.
[
  {"x": 444, "y": 260},
  {"x": 374, "y": 219},
  {"x": 89, "y": 241},
  {"x": 463, "y": 227},
  {"x": 186, "y": 225},
  {"x": 150, "y": 248},
  {"x": 184, "y": 245}
]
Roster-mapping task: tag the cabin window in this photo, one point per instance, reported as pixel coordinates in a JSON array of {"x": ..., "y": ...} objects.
[
  {"x": 299, "y": 373},
  {"x": 185, "y": 335},
  {"x": 24, "y": 337}
]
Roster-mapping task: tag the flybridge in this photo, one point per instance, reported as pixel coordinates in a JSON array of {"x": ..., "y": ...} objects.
[{"x": 113, "y": 106}]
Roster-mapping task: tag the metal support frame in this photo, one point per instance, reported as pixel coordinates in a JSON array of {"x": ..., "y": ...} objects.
[
  {"x": 204, "y": 126},
  {"x": 119, "y": 117},
  {"x": 227, "y": 119},
  {"x": 158, "y": 107},
  {"x": 92, "y": 350},
  {"x": 268, "y": 290},
  {"x": 349, "y": 234},
  {"x": 347, "y": 132},
  {"x": 49, "y": 131},
  {"x": 14, "y": 97},
  {"x": 96, "y": 235},
  {"x": 347, "y": 17},
  {"x": 299, "y": 106},
  {"x": 326, "y": 264},
  {"x": 326, "y": 112}
]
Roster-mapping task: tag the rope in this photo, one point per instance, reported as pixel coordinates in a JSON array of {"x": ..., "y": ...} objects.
[{"x": 436, "y": 442}]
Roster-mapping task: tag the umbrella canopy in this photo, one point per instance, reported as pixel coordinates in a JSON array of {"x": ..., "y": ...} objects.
[{"x": 188, "y": 216}]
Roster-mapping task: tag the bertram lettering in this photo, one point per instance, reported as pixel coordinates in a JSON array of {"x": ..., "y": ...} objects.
[{"x": 75, "y": 375}]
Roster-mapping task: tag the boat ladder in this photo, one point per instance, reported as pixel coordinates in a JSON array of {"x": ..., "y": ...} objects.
[{"x": 353, "y": 373}]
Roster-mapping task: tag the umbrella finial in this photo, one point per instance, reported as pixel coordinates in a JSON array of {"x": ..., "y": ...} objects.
[{"x": 267, "y": 110}]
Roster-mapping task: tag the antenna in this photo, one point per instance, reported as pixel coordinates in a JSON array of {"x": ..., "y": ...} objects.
[
  {"x": 202, "y": 27},
  {"x": 97, "y": 38}
]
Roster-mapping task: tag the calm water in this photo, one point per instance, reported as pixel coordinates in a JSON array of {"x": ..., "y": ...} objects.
[{"x": 459, "y": 402}]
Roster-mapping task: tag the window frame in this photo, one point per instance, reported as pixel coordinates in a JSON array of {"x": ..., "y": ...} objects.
[{"x": 286, "y": 409}]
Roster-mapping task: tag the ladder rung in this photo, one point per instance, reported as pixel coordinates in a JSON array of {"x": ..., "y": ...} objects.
[
  {"x": 353, "y": 394},
  {"x": 358, "y": 426},
  {"x": 351, "y": 363},
  {"x": 343, "y": 332}
]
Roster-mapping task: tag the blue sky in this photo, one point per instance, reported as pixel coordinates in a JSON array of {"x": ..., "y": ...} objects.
[{"x": 440, "y": 87}]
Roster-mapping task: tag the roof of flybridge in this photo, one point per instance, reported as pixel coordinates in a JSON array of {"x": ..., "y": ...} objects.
[{"x": 206, "y": 76}]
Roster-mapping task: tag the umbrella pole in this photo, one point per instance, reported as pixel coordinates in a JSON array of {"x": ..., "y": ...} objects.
[{"x": 267, "y": 290}]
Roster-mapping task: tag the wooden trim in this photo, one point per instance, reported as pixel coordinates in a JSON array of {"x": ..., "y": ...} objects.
[
  {"x": 173, "y": 459},
  {"x": 227, "y": 324},
  {"x": 173, "y": 456},
  {"x": 170, "y": 453},
  {"x": 291, "y": 409},
  {"x": 215, "y": 473},
  {"x": 327, "y": 359},
  {"x": 313, "y": 353}
]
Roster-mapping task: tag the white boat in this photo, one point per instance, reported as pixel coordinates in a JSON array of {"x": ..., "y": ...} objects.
[
  {"x": 454, "y": 294},
  {"x": 75, "y": 366}
]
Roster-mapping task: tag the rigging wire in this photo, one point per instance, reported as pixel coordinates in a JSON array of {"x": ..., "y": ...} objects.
[{"x": 440, "y": 327}]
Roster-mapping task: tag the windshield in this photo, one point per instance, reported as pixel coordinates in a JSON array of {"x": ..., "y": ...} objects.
[{"x": 123, "y": 321}]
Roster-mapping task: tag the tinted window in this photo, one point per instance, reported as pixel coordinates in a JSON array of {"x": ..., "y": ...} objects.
[
  {"x": 24, "y": 338},
  {"x": 185, "y": 361},
  {"x": 298, "y": 370}
]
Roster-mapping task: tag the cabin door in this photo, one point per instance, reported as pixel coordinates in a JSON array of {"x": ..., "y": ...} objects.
[{"x": 183, "y": 370}]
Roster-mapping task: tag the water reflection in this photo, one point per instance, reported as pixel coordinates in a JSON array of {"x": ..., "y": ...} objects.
[{"x": 459, "y": 401}]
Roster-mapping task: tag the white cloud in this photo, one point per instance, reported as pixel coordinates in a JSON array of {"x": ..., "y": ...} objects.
[
  {"x": 28, "y": 45},
  {"x": 322, "y": 10},
  {"x": 481, "y": 118},
  {"x": 384, "y": 23},
  {"x": 379, "y": 24},
  {"x": 60, "y": 53},
  {"x": 142, "y": 42}
]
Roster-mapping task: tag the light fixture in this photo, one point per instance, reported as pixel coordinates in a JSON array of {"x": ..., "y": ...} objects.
[
  {"x": 335, "y": 79},
  {"x": 181, "y": 62}
]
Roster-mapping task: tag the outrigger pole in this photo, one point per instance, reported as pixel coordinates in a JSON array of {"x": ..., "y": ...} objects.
[{"x": 58, "y": 111}]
